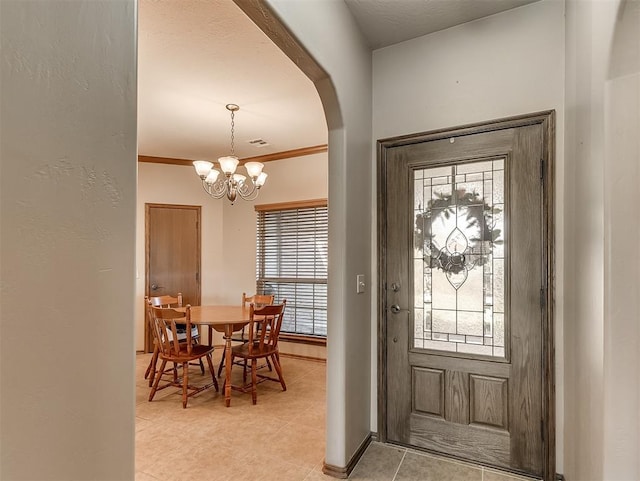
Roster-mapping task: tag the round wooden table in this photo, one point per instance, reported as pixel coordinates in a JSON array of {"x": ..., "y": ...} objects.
[{"x": 225, "y": 319}]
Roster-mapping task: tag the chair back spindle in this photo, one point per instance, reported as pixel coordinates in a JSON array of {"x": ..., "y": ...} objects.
[
  {"x": 264, "y": 327},
  {"x": 166, "y": 321}
]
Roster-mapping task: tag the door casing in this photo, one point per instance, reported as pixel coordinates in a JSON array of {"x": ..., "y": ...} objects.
[{"x": 547, "y": 121}]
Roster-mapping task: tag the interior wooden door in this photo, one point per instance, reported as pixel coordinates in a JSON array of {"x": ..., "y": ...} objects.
[
  {"x": 173, "y": 254},
  {"x": 465, "y": 280}
]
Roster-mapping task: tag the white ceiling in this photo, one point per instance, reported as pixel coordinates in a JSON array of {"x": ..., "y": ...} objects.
[
  {"x": 196, "y": 56},
  {"x": 387, "y": 22}
]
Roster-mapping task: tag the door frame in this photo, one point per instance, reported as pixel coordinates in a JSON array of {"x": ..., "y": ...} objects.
[
  {"x": 547, "y": 173},
  {"x": 148, "y": 342}
]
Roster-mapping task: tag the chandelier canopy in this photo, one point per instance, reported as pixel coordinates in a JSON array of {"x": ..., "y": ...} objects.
[{"x": 230, "y": 184}]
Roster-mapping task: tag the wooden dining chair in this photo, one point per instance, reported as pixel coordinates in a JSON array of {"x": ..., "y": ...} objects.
[
  {"x": 165, "y": 322},
  {"x": 258, "y": 300},
  {"x": 168, "y": 301},
  {"x": 263, "y": 333}
]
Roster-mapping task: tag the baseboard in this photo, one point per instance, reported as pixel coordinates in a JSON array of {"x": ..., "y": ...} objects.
[
  {"x": 334, "y": 471},
  {"x": 303, "y": 358},
  {"x": 343, "y": 473},
  {"x": 282, "y": 354}
]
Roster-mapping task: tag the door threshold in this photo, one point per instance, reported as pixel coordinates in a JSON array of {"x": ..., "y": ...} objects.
[{"x": 507, "y": 474}]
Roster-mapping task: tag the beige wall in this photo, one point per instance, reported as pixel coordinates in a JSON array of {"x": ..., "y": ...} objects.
[
  {"x": 602, "y": 266},
  {"x": 504, "y": 65},
  {"x": 67, "y": 220},
  {"x": 228, "y": 231},
  {"x": 622, "y": 263},
  {"x": 329, "y": 33},
  {"x": 622, "y": 279}
]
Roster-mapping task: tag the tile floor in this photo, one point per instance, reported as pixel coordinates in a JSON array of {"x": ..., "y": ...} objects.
[
  {"x": 281, "y": 438},
  {"x": 383, "y": 462}
]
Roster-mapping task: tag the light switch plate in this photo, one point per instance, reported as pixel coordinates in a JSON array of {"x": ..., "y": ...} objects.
[{"x": 360, "y": 285}]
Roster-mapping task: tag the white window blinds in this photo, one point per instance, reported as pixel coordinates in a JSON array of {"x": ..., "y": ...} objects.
[{"x": 292, "y": 259}]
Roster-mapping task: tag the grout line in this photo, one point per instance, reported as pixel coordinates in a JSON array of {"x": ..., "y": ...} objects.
[
  {"x": 399, "y": 464},
  {"x": 506, "y": 474},
  {"x": 446, "y": 459}
]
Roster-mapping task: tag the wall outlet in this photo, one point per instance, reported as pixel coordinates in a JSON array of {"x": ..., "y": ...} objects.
[{"x": 360, "y": 285}]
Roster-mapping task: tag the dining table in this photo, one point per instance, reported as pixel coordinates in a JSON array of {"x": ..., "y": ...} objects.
[{"x": 227, "y": 320}]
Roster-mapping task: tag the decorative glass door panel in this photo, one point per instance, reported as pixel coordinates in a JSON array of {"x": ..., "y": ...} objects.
[{"x": 459, "y": 258}]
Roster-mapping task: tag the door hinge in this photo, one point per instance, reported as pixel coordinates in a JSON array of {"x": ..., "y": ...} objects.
[
  {"x": 543, "y": 296},
  {"x": 197, "y": 276},
  {"x": 542, "y": 429},
  {"x": 541, "y": 169}
]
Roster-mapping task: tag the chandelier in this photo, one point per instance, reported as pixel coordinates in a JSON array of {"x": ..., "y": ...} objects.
[{"x": 230, "y": 184}]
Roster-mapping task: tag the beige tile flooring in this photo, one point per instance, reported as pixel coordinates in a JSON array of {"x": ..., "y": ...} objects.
[{"x": 281, "y": 438}]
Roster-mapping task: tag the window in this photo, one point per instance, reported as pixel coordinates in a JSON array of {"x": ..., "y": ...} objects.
[{"x": 292, "y": 242}]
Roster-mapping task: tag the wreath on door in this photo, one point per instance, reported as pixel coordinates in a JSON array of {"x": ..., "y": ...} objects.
[{"x": 467, "y": 246}]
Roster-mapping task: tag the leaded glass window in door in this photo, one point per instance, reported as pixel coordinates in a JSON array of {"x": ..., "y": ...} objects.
[{"x": 459, "y": 258}]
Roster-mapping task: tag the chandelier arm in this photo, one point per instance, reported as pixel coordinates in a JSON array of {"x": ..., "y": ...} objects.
[
  {"x": 211, "y": 189},
  {"x": 245, "y": 191},
  {"x": 222, "y": 188},
  {"x": 256, "y": 191}
]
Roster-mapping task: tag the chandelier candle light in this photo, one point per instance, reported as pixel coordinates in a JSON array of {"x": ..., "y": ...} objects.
[{"x": 231, "y": 184}]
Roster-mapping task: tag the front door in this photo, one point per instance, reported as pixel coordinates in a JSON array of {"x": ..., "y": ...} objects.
[
  {"x": 465, "y": 280},
  {"x": 173, "y": 254}
]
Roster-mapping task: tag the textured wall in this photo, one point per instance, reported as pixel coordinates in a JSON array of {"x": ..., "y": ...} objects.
[
  {"x": 622, "y": 259},
  {"x": 589, "y": 31},
  {"x": 68, "y": 187}
]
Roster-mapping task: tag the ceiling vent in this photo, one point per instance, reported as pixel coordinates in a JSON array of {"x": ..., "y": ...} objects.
[{"x": 259, "y": 142}]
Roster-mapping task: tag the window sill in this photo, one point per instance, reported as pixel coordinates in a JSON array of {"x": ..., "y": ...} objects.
[{"x": 302, "y": 339}]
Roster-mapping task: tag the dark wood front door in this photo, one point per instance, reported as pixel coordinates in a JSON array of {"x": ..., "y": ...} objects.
[
  {"x": 465, "y": 317},
  {"x": 173, "y": 254}
]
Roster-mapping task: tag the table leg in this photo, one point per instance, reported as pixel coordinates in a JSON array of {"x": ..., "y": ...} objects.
[{"x": 227, "y": 366}]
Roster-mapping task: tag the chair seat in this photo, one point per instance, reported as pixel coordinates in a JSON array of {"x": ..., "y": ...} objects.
[
  {"x": 256, "y": 352},
  {"x": 197, "y": 351}
]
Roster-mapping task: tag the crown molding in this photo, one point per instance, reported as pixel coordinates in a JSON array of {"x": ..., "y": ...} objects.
[{"x": 287, "y": 154}]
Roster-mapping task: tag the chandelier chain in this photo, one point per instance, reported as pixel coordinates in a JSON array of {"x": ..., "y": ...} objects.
[{"x": 232, "y": 132}]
